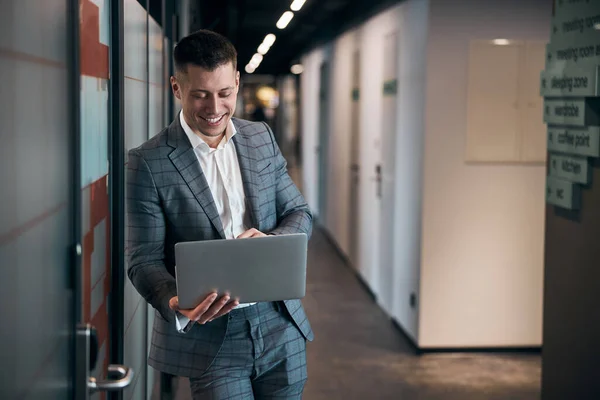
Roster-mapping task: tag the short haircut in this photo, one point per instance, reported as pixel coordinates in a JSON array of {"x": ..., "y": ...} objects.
[{"x": 206, "y": 49}]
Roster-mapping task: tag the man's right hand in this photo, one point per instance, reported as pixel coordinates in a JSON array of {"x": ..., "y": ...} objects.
[{"x": 209, "y": 309}]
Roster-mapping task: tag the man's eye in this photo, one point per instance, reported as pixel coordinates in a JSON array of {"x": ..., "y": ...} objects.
[{"x": 225, "y": 94}]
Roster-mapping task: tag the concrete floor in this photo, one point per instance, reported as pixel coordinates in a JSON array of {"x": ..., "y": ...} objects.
[{"x": 359, "y": 354}]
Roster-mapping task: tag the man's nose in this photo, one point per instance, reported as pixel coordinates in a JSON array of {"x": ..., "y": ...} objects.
[{"x": 213, "y": 105}]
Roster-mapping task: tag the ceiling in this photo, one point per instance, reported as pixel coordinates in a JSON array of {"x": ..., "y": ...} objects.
[{"x": 246, "y": 22}]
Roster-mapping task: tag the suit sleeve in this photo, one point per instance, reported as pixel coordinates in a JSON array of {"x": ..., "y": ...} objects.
[
  {"x": 293, "y": 214},
  {"x": 145, "y": 238}
]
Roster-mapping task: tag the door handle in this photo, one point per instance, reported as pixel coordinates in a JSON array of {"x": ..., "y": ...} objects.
[
  {"x": 378, "y": 179},
  {"x": 123, "y": 377},
  {"x": 119, "y": 376}
]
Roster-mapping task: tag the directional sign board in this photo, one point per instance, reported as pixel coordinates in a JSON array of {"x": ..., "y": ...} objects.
[
  {"x": 570, "y": 85},
  {"x": 576, "y": 112},
  {"x": 562, "y": 193},
  {"x": 579, "y": 141},
  {"x": 571, "y": 168},
  {"x": 571, "y": 82}
]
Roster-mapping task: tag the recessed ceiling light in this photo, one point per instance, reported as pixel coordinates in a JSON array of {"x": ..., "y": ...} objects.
[
  {"x": 263, "y": 49},
  {"x": 257, "y": 58},
  {"x": 285, "y": 19},
  {"x": 297, "y": 5},
  {"x": 297, "y": 69},
  {"x": 269, "y": 39},
  {"x": 501, "y": 42}
]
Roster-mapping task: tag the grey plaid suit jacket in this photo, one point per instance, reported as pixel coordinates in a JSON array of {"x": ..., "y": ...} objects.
[{"x": 169, "y": 201}]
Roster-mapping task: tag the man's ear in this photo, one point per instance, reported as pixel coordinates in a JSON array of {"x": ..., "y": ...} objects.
[
  {"x": 176, "y": 87},
  {"x": 237, "y": 79}
]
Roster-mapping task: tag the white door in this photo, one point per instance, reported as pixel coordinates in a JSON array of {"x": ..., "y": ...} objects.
[
  {"x": 354, "y": 216},
  {"x": 387, "y": 175},
  {"x": 323, "y": 140}
]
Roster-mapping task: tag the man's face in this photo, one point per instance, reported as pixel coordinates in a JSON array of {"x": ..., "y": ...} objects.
[{"x": 208, "y": 98}]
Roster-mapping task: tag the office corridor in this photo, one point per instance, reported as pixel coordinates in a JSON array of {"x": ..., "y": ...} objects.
[{"x": 359, "y": 354}]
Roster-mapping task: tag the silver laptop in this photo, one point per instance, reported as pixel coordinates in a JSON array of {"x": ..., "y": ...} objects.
[{"x": 270, "y": 268}]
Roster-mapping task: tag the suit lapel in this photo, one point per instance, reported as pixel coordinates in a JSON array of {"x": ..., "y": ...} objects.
[
  {"x": 246, "y": 154},
  {"x": 184, "y": 159}
]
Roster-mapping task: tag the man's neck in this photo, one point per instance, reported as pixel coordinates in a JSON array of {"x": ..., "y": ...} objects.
[{"x": 211, "y": 141}]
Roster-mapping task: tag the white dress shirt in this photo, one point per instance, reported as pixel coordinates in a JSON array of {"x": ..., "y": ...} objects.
[{"x": 222, "y": 171}]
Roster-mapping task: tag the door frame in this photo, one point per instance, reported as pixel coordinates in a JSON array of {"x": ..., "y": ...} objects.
[
  {"x": 74, "y": 93},
  {"x": 355, "y": 164},
  {"x": 323, "y": 145},
  {"x": 116, "y": 189}
]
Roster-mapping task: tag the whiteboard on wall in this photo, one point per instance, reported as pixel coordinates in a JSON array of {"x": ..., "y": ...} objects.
[{"x": 504, "y": 106}]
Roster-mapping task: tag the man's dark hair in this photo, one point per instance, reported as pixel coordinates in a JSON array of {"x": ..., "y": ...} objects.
[{"x": 206, "y": 49}]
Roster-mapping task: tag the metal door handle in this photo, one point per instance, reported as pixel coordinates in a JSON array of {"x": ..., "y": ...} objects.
[
  {"x": 119, "y": 376},
  {"x": 378, "y": 179},
  {"x": 123, "y": 377}
]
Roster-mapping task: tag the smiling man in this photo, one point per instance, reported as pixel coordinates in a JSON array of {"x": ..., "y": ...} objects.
[{"x": 211, "y": 176}]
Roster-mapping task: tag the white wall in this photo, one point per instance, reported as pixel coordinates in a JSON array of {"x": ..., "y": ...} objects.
[
  {"x": 338, "y": 165},
  {"x": 372, "y": 35},
  {"x": 414, "y": 15},
  {"x": 481, "y": 276},
  {"x": 287, "y": 113},
  {"x": 309, "y": 98}
]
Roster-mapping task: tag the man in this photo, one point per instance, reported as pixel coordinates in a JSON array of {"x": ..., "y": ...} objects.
[{"x": 210, "y": 176}]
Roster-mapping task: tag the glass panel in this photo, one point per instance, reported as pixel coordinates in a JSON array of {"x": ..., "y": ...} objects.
[
  {"x": 156, "y": 84},
  {"x": 36, "y": 213},
  {"x": 136, "y": 132},
  {"x": 94, "y": 64}
]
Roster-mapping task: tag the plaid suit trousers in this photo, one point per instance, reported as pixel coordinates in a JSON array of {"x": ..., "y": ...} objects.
[{"x": 263, "y": 356}]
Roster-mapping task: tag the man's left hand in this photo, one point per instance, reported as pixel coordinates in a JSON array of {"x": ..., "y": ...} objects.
[{"x": 251, "y": 233}]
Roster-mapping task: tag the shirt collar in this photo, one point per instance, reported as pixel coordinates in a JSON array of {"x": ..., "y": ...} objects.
[{"x": 198, "y": 142}]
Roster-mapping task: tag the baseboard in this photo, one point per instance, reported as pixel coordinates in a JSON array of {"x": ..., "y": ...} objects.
[
  {"x": 498, "y": 350},
  {"x": 406, "y": 336},
  {"x": 364, "y": 284},
  {"x": 334, "y": 243},
  {"x": 433, "y": 350},
  {"x": 347, "y": 262}
]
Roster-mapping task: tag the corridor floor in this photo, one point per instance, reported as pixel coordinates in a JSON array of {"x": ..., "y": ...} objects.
[{"x": 359, "y": 354}]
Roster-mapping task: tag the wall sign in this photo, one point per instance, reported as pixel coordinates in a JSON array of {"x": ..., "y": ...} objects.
[
  {"x": 390, "y": 87},
  {"x": 562, "y": 193},
  {"x": 576, "y": 112},
  {"x": 575, "y": 28},
  {"x": 571, "y": 168},
  {"x": 578, "y": 141},
  {"x": 575, "y": 8},
  {"x": 572, "y": 82},
  {"x": 570, "y": 85},
  {"x": 572, "y": 54}
]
